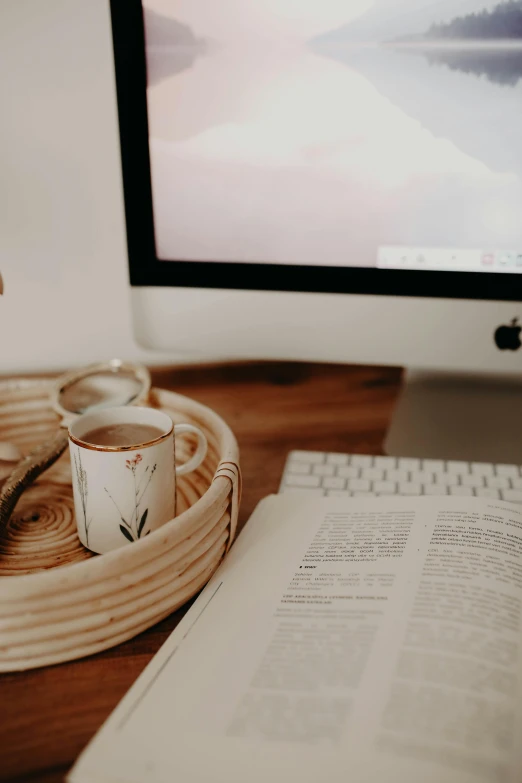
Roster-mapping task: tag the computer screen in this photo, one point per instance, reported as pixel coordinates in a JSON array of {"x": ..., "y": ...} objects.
[{"x": 376, "y": 134}]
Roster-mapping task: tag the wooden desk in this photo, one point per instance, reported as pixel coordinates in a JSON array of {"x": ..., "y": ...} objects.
[{"x": 48, "y": 715}]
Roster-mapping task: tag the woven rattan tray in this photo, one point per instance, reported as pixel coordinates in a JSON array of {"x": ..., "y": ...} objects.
[{"x": 58, "y": 601}]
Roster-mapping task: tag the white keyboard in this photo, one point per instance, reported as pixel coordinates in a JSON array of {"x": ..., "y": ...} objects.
[{"x": 341, "y": 475}]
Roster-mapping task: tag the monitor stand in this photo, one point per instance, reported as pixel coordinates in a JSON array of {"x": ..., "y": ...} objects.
[{"x": 465, "y": 417}]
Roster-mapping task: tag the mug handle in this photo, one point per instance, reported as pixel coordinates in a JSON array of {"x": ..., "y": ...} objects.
[{"x": 201, "y": 451}]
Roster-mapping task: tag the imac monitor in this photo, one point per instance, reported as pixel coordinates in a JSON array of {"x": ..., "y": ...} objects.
[{"x": 325, "y": 180}]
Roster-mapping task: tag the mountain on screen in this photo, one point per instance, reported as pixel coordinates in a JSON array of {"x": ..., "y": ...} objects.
[
  {"x": 388, "y": 20},
  {"x": 171, "y": 46},
  {"x": 502, "y": 22},
  {"x": 164, "y": 31}
]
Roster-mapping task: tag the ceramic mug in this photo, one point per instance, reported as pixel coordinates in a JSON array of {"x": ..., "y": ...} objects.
[{"x": 122, "y": 493}]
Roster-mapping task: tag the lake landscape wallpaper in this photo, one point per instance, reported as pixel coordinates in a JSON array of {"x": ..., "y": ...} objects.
[{"x": 316, "y": 131}]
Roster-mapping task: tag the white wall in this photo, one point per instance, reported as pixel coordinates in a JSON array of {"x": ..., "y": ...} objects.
[{"x": 62, "y": 235}]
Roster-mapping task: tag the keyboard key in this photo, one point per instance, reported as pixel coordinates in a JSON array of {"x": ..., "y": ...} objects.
[
  {"x": 361, "y": 461},
  {"x": 385, "y": 487},
  {"x": 435, "y": 489},
  {"x": 373, "y": 474},
  {"x": 323, "y": 470},
  {"x": 457, "y": 466},
  {"x": 472, "y": 480},
  {"x": 409, "y": 488},
  {"x": 447, "y": 479},
  {"x": 433, "y": 465},
  {"x": 396, "y": 475},
  {"x": 337, "y": 459},
  {"x": 482, "y": 469},
  {"x": 408, "y": 463},
  {"x": 315, "y": 457},
  {"x": 487, "y": 492},
  {"x": 358, "y": 485},
  {"x": 510, "y": 471},
  {"x": 348, "y": 472},
  {"x": 334, "y": 483},
  {"x": 338, "y": 493},
  {"x": 498, "y": 482},
  {"x": 463, "y": 491},
  {"x": 299, "y": 467},
  {"x": 511, "y": 495},
  {"x": 421, "y": 477},
  {"x": 516, "y": 483},
  {"x": 385, "y": 463},
  {"x": 302, "y": 481}
]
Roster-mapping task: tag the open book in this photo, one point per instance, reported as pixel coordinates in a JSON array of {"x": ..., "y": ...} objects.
[{"x": 368, "y": 639}]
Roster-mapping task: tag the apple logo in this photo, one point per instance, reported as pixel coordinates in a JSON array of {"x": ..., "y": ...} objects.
[{"x": 507, "y": 337}]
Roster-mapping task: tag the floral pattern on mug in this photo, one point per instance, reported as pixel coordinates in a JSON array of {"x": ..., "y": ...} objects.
[
  {"x": 83, "y": 491},
  {"x": 133, "y": 523}
]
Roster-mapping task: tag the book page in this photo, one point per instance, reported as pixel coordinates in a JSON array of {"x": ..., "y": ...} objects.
[{"x": 341, "y": 639}]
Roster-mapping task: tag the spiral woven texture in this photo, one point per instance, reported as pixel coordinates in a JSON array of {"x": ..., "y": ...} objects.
[
  {"x": 41, "y": 533},
  {"x": 58, "y": 601}
]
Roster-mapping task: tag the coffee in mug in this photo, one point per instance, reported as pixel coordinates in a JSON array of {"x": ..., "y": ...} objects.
[{"x": 125, "y": 434}]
